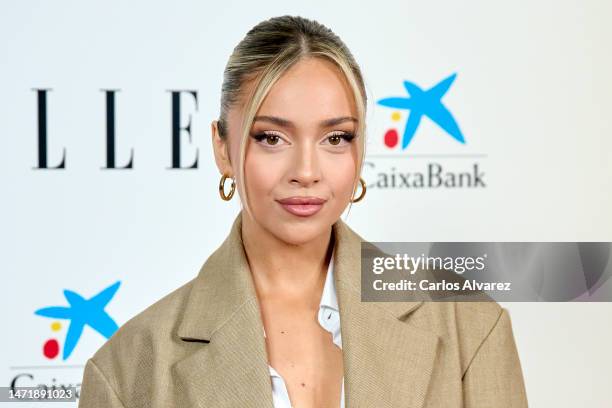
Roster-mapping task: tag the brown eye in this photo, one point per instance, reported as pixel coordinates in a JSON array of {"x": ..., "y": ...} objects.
[
  {"x": 335, "y": 140},
  {"x": 272, "y": 138}
]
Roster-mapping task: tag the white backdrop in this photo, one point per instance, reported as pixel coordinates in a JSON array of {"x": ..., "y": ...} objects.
[{"x": 531, "y": 97}]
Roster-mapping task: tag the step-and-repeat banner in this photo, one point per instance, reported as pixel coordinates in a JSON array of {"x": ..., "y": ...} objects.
[{"x": 110, "y": 191}]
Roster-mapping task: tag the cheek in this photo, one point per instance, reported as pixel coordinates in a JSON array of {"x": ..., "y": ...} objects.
[
  {"x": 261, "y": 174},
  {"x": 340, "y": 175}
]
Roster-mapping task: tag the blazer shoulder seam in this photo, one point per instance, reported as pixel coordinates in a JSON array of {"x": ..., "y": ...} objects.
[
  {"x": 94, "y": 365},
  {"x": 493, "y": 326}
]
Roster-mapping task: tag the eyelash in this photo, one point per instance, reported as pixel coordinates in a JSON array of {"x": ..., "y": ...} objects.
[{"x": 348, "y": 136}]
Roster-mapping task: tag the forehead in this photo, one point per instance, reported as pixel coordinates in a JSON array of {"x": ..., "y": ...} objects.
[{"x": 312, "y": 90}]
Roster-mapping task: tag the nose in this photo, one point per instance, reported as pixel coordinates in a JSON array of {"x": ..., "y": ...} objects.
[{"x": 306, "y": 169}]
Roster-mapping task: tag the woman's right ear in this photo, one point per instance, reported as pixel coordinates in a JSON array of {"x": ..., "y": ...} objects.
[{"x": 221, "y": 150}]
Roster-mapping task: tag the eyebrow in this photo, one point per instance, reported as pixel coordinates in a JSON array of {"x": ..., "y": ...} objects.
[{"x": 288, "y": 124}]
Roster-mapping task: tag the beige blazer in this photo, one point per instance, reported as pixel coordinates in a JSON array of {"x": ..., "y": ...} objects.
[{"x": 203, "y": 346}]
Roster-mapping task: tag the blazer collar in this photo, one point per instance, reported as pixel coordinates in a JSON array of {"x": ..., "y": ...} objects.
[{"x": 387, "y": 361}]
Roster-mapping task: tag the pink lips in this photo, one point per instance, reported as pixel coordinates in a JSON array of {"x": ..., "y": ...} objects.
[{"x": 302, "y": 206}]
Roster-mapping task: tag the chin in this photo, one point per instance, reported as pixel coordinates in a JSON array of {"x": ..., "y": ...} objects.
[{"x": 300, "y": 231}]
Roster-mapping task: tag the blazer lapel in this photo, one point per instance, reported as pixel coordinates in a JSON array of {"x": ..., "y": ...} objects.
[
  {"x": 387, "y": 362},
  {"x": 231, "y": 368}
]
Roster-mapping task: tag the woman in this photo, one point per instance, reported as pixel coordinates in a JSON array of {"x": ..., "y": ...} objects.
[{"x": 274, "y": 318}]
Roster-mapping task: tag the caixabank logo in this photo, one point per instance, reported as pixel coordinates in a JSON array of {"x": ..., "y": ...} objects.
[
  {"x": 396, "y": 166},
  {"x": 70, "y": 319},
  {"x": 79, "y": 313}
]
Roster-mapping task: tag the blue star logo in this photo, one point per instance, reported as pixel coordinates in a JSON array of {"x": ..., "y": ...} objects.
[
  {"x": 426, "y": 103},
  {"x": 81, "y": 312}
]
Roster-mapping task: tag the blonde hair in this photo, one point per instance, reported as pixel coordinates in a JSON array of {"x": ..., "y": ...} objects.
[{"x": 266, "y": 52}]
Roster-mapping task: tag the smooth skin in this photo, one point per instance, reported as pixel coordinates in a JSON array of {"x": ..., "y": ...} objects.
[{"x": 288, "y": 255}]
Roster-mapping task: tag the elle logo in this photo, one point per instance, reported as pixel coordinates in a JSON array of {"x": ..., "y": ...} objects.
[{"x": 110, "y": 131}]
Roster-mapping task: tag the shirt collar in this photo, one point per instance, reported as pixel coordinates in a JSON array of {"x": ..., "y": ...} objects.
[{"x": 329, "y": 298}]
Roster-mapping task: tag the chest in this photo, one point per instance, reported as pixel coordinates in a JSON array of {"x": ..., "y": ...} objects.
[{"x": 303, "y": 353}]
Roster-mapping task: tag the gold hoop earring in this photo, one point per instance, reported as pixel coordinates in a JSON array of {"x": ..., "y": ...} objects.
[
  {"x": 222, "y": 188},
  {"x": 363, "y": 191}
]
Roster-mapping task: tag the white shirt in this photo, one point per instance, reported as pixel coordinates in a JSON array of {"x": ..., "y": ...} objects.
[{"x": 329, "y": 319}]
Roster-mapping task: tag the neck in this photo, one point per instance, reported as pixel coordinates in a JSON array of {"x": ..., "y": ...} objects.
[{"x": 279, "y": 267}]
